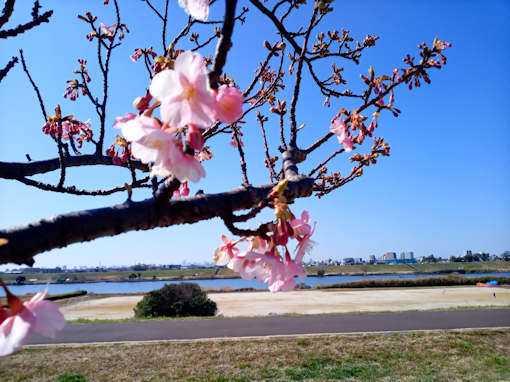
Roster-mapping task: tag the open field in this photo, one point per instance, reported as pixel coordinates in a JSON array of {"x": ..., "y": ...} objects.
[
  {"x": 492, "y": 266},
  {"x": 306, "y": 301},
  {"x": 469, "y": 355}
]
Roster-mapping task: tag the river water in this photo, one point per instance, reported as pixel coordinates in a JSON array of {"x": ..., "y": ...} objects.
[{"x": 146, "y": 286}]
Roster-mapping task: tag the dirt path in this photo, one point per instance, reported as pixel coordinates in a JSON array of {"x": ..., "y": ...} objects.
[{"x": 310, "y": 302}]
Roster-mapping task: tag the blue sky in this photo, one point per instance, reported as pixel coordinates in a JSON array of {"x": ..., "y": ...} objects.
[{"x": 445, "y": 188}]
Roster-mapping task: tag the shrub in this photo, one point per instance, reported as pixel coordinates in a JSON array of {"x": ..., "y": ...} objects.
[{"x": 176, "y": 300}]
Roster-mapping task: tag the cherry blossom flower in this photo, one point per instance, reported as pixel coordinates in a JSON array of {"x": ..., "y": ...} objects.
[
  {"x": 338, "y": 127},
  {"x": 108, "y": 31},
  {"x": 199, "y": 9},
  {"x": 226, "y": 252},
  {"x": 182, "y": 191},
  {"x": 184, "y": 92},
  {"x": 151, "y": 144},
  {"x": 263, "y": 261},
  {"x": 120, "y": 121},
  {"x": 142, "y": 103},
  {"x": 23, "y": 318},
  {"x": 229, "y": 104},
  {"x": 194, "y": 137}
]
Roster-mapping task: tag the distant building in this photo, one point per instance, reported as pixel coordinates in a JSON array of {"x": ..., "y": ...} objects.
[
  {"x": 468, "y": 252},
  {"x": 389, "y": 256},
  {"x": 348, "y": 261},
  {"x": 371, "y": 259}
]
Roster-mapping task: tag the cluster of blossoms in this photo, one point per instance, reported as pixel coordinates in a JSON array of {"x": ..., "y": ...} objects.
[
  {"x": 139, "y": 52},
  {"x": 74, "y": 86},
  {"x": 108, "y": 32},
  {"x": 267, "y": 257},
  {"x": 68, "y": 128},
  {"x": 345, "y": 129},
  {"x": 188, "y": 105},
  {"x": 119, "y": 155},
  {"x": 22, "y": 318}
]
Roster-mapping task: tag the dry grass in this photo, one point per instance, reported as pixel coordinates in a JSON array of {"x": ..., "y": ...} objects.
[{"x": 480, "y": 355}]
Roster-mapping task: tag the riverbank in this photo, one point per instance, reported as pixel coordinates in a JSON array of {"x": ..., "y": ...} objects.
[
  {"x": 225, "y": 273},
  {"x": 304, "y": 302}
]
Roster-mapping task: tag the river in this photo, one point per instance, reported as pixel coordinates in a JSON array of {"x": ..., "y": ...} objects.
[{"x": 146, "y": 286}]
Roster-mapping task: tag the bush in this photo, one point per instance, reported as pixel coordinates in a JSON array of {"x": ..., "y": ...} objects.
[{"x": 176, "y": 300}]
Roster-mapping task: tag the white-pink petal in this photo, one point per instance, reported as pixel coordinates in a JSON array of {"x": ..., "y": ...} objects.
[
  {"x": 159, "y": 88},
  {"x": 14, "y": 332},
  {"x": 199, "y": 9},
  {"x": 48, "y": 318}
]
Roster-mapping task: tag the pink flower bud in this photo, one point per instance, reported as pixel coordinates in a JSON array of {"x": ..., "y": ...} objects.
[
  {"x": 194, "y": 137},
  {"x": 229, "y": 104},
  {"x": 142, "y": 103}
]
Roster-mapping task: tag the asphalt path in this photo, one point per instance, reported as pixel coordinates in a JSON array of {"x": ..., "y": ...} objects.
[{"x": 190, "y": 329}]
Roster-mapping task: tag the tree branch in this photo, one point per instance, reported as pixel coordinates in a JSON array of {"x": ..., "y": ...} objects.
[
  {"x": 24, "y": 242},
  {"x": 9, "y": 66},
  {"x": 224, "y": 44},
  {"x": 15, "y": 170},
  {"x": 20, "y": 29}
]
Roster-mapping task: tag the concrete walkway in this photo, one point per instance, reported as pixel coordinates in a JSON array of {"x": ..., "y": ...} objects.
[{"x": 271, "y": 326}]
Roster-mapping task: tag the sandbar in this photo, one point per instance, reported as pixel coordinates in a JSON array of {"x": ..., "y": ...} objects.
[{"x": 238, "y": 304}]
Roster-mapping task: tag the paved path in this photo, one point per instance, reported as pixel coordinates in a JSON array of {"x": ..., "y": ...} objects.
[{"x": 267, "y": 326}]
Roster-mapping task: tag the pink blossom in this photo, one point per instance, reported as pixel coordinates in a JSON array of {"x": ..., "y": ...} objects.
[
  {"x": 108, "y": 31},
  {"x": 282, "y": 232},
  {"x": 136, "y": 55},
  {"x": 151, "y": 144},
  {"x": 204, "y": 154},
  {"x": 194, "y": 137},
  {"x": 120, "y": 121},
  {"x": 226, "y": 252},
  {"x": 184, "y": 92},
  {"x": 301, "y": 226},
  {"x": 142, "y": 103},
  {"x": 199, "y": 9},
  {"x": 338, "y": 127},
  {"x": 37, "y": 315},
  {"x": 182, "y": 191},
  {"x": 229, "y": 104}
]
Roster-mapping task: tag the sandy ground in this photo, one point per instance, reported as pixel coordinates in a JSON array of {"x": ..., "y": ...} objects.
[{"x": 309, "y": 302}]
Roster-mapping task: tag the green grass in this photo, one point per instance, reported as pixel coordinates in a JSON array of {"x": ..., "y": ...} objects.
[
  {"x": 469, "y": 355},
  {"x": 421, "y": 282}
]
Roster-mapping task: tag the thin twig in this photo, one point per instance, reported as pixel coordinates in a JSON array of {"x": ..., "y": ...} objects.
[
  {"x": 13, "y": 61},
  {"x": 270, "y": 165},
  {"x": 242, "y": 160},
  {"x": 74, "y": 191},
  {"x": 326, "y": 161},
  {"x": 36, "y": 89},
  {"x": 292, "y": 110}
]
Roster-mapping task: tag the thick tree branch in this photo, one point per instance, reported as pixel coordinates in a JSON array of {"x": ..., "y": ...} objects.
[
  {"x": 14, "y": 170},
  {"x": 24, "y": 242},
  {"x": 224, "y": 44}
]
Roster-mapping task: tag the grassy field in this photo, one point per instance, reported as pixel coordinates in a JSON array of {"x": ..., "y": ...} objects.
[
  {"x": 477, "y": 355},
  {"x": 494, "y": 266},
  {"x": 418, "y": 282}
]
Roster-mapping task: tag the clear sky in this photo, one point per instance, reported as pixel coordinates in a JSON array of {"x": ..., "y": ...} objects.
[{"x": 445, "y": 188}]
